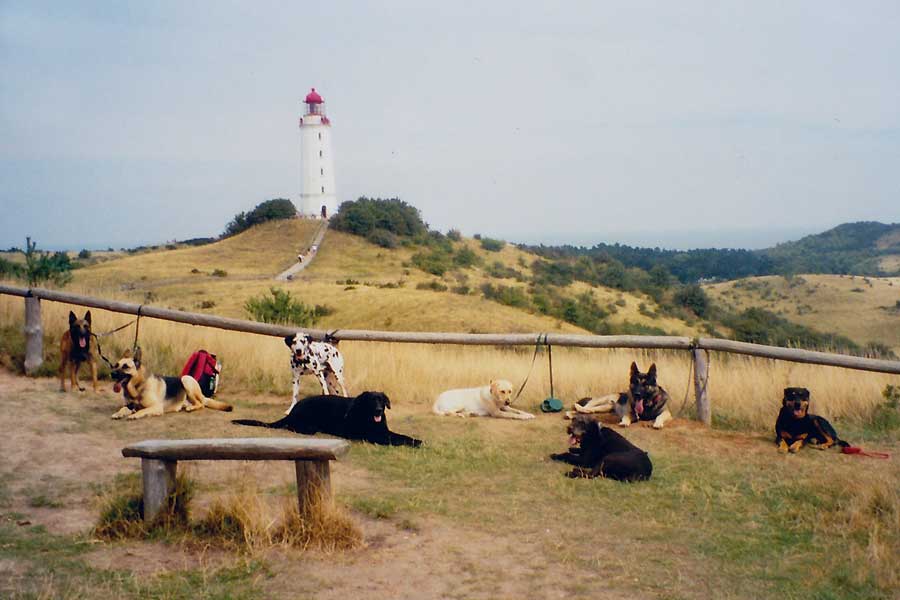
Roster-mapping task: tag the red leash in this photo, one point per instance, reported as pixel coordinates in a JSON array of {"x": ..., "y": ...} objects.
[{"x": 860, "y": 451}]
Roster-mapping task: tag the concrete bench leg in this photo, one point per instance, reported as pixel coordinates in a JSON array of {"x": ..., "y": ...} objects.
[
  {"x": 159, "y": 483},
  {"x": 313, "y": 483}
]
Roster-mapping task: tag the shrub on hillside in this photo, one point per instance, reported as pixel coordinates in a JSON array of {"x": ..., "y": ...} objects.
[
  {"x": 270, "y": 210},
  {"x": 454, "y": 235},
  {"x": 508, "y": 295},
  {"x": 466, "y": 258},
  {"x": 436, "y": 261},
  {"x": 40, "y": 267},
  {"x": 760, "y": 326},
  {"x": 492, "y": 245},
  {"x": 383, "y": 238},
  {"x": 84, "y": 254},
  {"x": 693, "y": 298},
  {"x": 362, "y": 216},
  {"x": 282, "y": 309}
]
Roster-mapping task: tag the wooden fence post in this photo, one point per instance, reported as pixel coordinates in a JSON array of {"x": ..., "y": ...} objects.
[
  {"x": 34, "y": 335},
  {"x": 701, "y": 393}
]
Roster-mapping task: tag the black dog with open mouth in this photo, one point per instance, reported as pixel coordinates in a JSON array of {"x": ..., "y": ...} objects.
[
  {"x": 795, "y": 427},
  {"x": 598, "y": 451},
  {"x": 360, "y": 418}
]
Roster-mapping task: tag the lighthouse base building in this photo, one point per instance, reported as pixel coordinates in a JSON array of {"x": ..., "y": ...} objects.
[{"x": 318, "y": 197}]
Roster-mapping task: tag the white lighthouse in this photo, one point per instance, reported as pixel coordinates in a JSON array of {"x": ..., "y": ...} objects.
[{"x": 317, "y": 191}]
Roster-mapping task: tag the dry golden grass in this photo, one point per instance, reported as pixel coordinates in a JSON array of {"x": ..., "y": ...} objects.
[
  {"x": 265, "y": 250},
  {"x": 848, "y": 305},
  {"x": 745, "y": 390},
  {"x": 252, "y": 258},
  {"x": 245, "y": 520}
]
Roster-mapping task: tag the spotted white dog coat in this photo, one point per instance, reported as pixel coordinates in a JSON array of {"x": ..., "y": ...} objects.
[{"x": 321, "y": 359}]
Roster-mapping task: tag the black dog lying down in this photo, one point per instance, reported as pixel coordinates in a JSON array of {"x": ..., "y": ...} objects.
[
  {"x": 598, "y": 451},
  {"x": 360, "y": 418},
  {"x": 796, "y": 427}
]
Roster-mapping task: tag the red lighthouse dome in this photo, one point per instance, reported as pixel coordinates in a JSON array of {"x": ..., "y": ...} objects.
[{"x": 313, "y": 97}]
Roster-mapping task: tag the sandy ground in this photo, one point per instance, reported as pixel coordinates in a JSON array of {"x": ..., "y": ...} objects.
[{"x": 60, "y": 445}]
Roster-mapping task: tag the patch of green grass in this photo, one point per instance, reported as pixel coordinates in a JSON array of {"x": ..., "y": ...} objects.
[
  {"x": 755, "y": 524},
  {"x": 55, "y": 566}
]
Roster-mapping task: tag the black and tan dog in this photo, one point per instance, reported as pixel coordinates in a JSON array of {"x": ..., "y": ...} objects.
[
  {"x": 645, "y": 400},
  {"x": 795, "y": 427},
  {"x": 598, "y": 451},
  {"x": 148, "y": 395},
  {"x": 75, "y": 350}
]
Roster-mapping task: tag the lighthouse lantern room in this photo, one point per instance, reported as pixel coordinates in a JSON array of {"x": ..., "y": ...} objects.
[{"x": 317, "y": 191}]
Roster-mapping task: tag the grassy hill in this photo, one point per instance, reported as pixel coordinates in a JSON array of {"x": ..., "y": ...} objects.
[
  {"x": 863, "y": 248},
  {"x": 365, "y": 285},
  {"x": 862, "y": 308}
]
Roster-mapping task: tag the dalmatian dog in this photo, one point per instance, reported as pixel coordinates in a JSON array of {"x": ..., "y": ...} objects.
[{"x": 321, "y": 359}]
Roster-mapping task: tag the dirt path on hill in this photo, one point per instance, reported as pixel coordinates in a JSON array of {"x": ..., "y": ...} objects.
[{"x": 307, "y": 257}]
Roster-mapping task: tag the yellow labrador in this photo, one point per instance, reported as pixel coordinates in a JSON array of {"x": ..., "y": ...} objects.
[{"x": 486, "y": 401}]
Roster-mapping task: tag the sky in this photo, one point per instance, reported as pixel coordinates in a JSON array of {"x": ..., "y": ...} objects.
[{"x": 672, "y": 124}]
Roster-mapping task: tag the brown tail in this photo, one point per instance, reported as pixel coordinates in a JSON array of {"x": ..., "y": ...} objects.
[{"x": 216, "y": 405}]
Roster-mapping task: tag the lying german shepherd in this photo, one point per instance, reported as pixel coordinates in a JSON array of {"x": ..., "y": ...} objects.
[
  {"x": 75, "y": 350},
  {"x": 598, "y": 451},
  {"x": 644, "y": 400},
  {"x": 795, "y": 427},
  {"x": 148, "y": 395}
]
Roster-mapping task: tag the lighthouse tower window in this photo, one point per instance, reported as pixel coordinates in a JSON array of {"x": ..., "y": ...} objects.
[
  {"x": 320, "y": 154},
  {"x": 321, "y": 171},
  {"x": 323, "y": 189},
  {"x": 320, "y": 135}
]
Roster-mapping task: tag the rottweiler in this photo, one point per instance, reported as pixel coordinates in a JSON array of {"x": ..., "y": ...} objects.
[
  {"x": 795, "y": 427},
  {"x": 75, "y": 350},
  {"x": 598, "y": 451}
]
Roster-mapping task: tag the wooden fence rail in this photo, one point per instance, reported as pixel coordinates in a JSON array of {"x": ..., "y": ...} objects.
[{"x": 34, "y": 350}]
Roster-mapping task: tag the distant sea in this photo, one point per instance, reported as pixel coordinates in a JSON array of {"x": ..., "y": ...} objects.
[{"x": 670, "y": 240}]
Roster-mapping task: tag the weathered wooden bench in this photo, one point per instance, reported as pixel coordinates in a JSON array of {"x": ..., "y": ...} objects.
[{"x": 159, "y": 461}]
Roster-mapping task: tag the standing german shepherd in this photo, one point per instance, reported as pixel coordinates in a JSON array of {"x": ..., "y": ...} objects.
[
  {"x": 74, "y": 350},
  {"x": 148, "y": 395}
]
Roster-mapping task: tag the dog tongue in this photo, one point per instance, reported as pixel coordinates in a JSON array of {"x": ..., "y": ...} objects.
[
  {"x": 573, "y": 441},
  {"x": 377, "y": 418},
  {"x": 639, "y": 407},
  {"x": 82, "y": 342},
  {"x": 117, "y": 387}
]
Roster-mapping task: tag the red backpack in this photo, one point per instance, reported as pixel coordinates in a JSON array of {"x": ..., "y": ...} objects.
[{"x": 204, "y": 367}]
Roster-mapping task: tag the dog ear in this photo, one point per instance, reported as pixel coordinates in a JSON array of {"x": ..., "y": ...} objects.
[
  {"x": 137, "y": 357},
  {"x": 651, "y": 372},
  {"x": 127, "y": 353},
  {"x": 72, "y": 318},
  {"x": 387, "y": 401},
  {"x": 289, "y": 340},
  {"x": 634, "y": 369},
  {"x": 87, "y": 317}
]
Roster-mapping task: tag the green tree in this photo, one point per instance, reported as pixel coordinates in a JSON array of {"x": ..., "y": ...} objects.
[
  {"x": 362, "y": 216},
  {"x": 270, "y": 210},
  {"x": 42, "y": 267},
  {"x": 694, "y": 298}
]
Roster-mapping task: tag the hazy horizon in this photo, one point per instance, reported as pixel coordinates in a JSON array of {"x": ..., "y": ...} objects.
[{"x": 656, "y": 124}]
